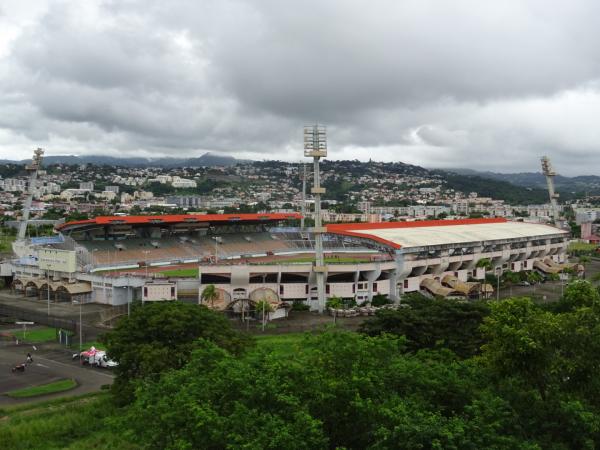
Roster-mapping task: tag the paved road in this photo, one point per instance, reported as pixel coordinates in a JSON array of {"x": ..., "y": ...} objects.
[{"x": 50, "y": 364}]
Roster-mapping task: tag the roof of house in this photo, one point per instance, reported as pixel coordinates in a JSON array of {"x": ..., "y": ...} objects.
[{"x": 439, "y": 232}]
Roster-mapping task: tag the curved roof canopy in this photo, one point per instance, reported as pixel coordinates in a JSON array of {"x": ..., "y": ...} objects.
[
  {"x": 441, "y": 232},
  {"x": 174, "y": 219}
]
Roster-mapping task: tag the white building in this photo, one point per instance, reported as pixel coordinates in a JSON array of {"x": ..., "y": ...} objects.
[
  {"x": 183, "y": 183},
  {"x": 421, "y": 256}
]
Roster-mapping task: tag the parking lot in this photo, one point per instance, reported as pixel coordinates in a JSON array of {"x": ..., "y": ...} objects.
[{"x": 50, "y": 363}]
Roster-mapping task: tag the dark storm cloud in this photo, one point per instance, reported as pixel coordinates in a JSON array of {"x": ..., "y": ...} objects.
[{"x": 464, "y": 83}]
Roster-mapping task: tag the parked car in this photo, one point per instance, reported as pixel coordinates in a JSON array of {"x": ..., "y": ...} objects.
[
  {"x": 101, "y": 360},
  {"x": 523, "y": 283}
]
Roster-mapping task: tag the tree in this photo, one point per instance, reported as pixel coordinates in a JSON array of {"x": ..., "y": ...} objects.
[
  {"x": 334, "y": 390},
  {"x": 335, "y": 303},
  {"x": 510, "y": 278},
  {"x": 577, "y": 294},
  {"x": 429, "y": 324},
  {"x": 534, "y": 278},
  {"x": 263, "y": 308},
  {"x": 210, "y": 294},
  {"x": 522, "y": 340},
  {"x": 486, "y": 265},
  {"x": 160, "y": 336}
]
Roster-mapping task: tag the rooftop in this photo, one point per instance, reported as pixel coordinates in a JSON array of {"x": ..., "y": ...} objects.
[
  {"x": 177, "y": 218},
  {"x": 441, "y": 232}
]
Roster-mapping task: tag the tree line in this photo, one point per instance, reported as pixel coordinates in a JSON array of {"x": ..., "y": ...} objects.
[{"x": 432, "y": 374}]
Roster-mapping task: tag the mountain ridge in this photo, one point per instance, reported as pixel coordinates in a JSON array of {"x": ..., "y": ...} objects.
[{"x": 207, "y": 159}]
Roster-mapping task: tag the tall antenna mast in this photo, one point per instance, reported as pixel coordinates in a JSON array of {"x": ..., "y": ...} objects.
[
  {"x": 315, "y": 146},
  {"x": 33, "y": 169},
  {"x": 303, "y": 206},
  {"x": 549, "y": 173}
]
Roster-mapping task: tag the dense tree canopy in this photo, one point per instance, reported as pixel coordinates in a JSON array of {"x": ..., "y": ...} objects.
[
  {"x": 434, "y": 374},
  {"x": 428, "y": 323},
  {"x": 161, "y": 336},
  {"x": 336, "y": 390}
]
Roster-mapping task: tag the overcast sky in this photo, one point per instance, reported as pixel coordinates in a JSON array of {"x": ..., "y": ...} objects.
[{"x": 489, "y": 85}]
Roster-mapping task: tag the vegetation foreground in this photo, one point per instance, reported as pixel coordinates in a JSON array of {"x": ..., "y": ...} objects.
[{"x": 436, "y": 374}]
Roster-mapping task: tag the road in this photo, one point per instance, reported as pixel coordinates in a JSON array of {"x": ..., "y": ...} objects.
[{"x": 50, "y": 364}]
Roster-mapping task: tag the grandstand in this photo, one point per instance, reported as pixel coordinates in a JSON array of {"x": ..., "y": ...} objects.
[
  {"x": 246, "y": 256},
  {"x": 127, "y": 242}
]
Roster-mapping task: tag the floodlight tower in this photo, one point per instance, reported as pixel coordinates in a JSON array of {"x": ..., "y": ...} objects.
[
  {"x": 32, "y": 168},
  {"x": 303, "y": 206},
  {"x": 549, "y": 173},
  {"x": 315, "y": 146}
]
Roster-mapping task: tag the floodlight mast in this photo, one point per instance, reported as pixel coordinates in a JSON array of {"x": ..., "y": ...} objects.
[
  {"x": 33, "y": 169},
  {"x": 303, "y": 206},
  {"x": 315, "y": 146},
  {"x": 549, "y": 173}
]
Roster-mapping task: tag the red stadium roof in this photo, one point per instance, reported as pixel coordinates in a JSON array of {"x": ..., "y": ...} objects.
[
  {"x": 350, "y": 229},
  {"x": 178, "y": 218}
]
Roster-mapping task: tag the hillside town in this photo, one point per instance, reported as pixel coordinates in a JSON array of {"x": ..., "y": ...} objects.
[{"x": 356, "y": 192}]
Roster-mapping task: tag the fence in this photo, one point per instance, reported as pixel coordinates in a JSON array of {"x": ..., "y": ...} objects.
[{"x": 38, "y": 318}]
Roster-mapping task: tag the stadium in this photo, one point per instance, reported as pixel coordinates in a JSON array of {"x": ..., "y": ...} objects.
[{"x": 250, "y": 257}]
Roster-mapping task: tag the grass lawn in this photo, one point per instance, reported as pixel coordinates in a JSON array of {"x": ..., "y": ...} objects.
[
  {"x": 192, "y": 272},
  {"x": 6, "y": 243},
  {"x": 279, "y": 343},
  {"x": 581, "y": 246},
  {"x": 66, "y": 423},
  {"x": 37, "y": 335},
  {"x": 43, "y": 389}
]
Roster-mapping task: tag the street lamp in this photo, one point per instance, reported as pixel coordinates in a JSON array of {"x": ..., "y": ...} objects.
[
  {"x": 48, "y": 289},
  {"x": 92, "y": 264},
  {"x": 80, "y": 330},
  {"x": 216, "y": 249},
  {"x": 146, "y": 261},
  {"x": 499, "y": 274}
]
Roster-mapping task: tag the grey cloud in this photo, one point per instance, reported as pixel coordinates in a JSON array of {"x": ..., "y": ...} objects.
[{"x": 490, "y": 85}]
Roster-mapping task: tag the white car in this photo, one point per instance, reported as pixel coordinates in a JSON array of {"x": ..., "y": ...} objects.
[{"x": 101, "y": 360}]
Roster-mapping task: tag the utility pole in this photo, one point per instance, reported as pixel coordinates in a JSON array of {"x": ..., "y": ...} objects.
[{"x": 315, "y": 146}]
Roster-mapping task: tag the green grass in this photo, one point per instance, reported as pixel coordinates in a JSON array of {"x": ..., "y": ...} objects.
[
  {"x": 279, "y": 343},
  {"x": 43, "y": 389},
  {"x": 6, "y": 243},
  {"x": 37, "y": 335},
  {"x": 185, "y": 273},
  {"x": 73, "y": 423},
  {"x": 581, "y": 246},
  {"x": 330, "y": 260}
]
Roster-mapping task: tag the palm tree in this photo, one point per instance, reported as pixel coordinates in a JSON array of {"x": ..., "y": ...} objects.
[
  {"x": 210, "y": 294},
  {"x": 264, "y": 308},
  {"x": 534, "y": 278},
  {"x": 486, "y": 265},
  {"x": 511, "y": 278}
]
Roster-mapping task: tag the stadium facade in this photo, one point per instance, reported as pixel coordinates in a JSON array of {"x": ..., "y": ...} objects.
[{"x": 118, "y": 259}]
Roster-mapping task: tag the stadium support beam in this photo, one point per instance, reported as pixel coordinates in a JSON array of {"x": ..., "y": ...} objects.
[
  {"x": 315, "y": 146},
  {"x": 32, "y": 168}
]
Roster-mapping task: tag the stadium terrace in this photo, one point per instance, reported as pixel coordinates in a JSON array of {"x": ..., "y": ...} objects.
[{"x": 119, "y": 259}]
